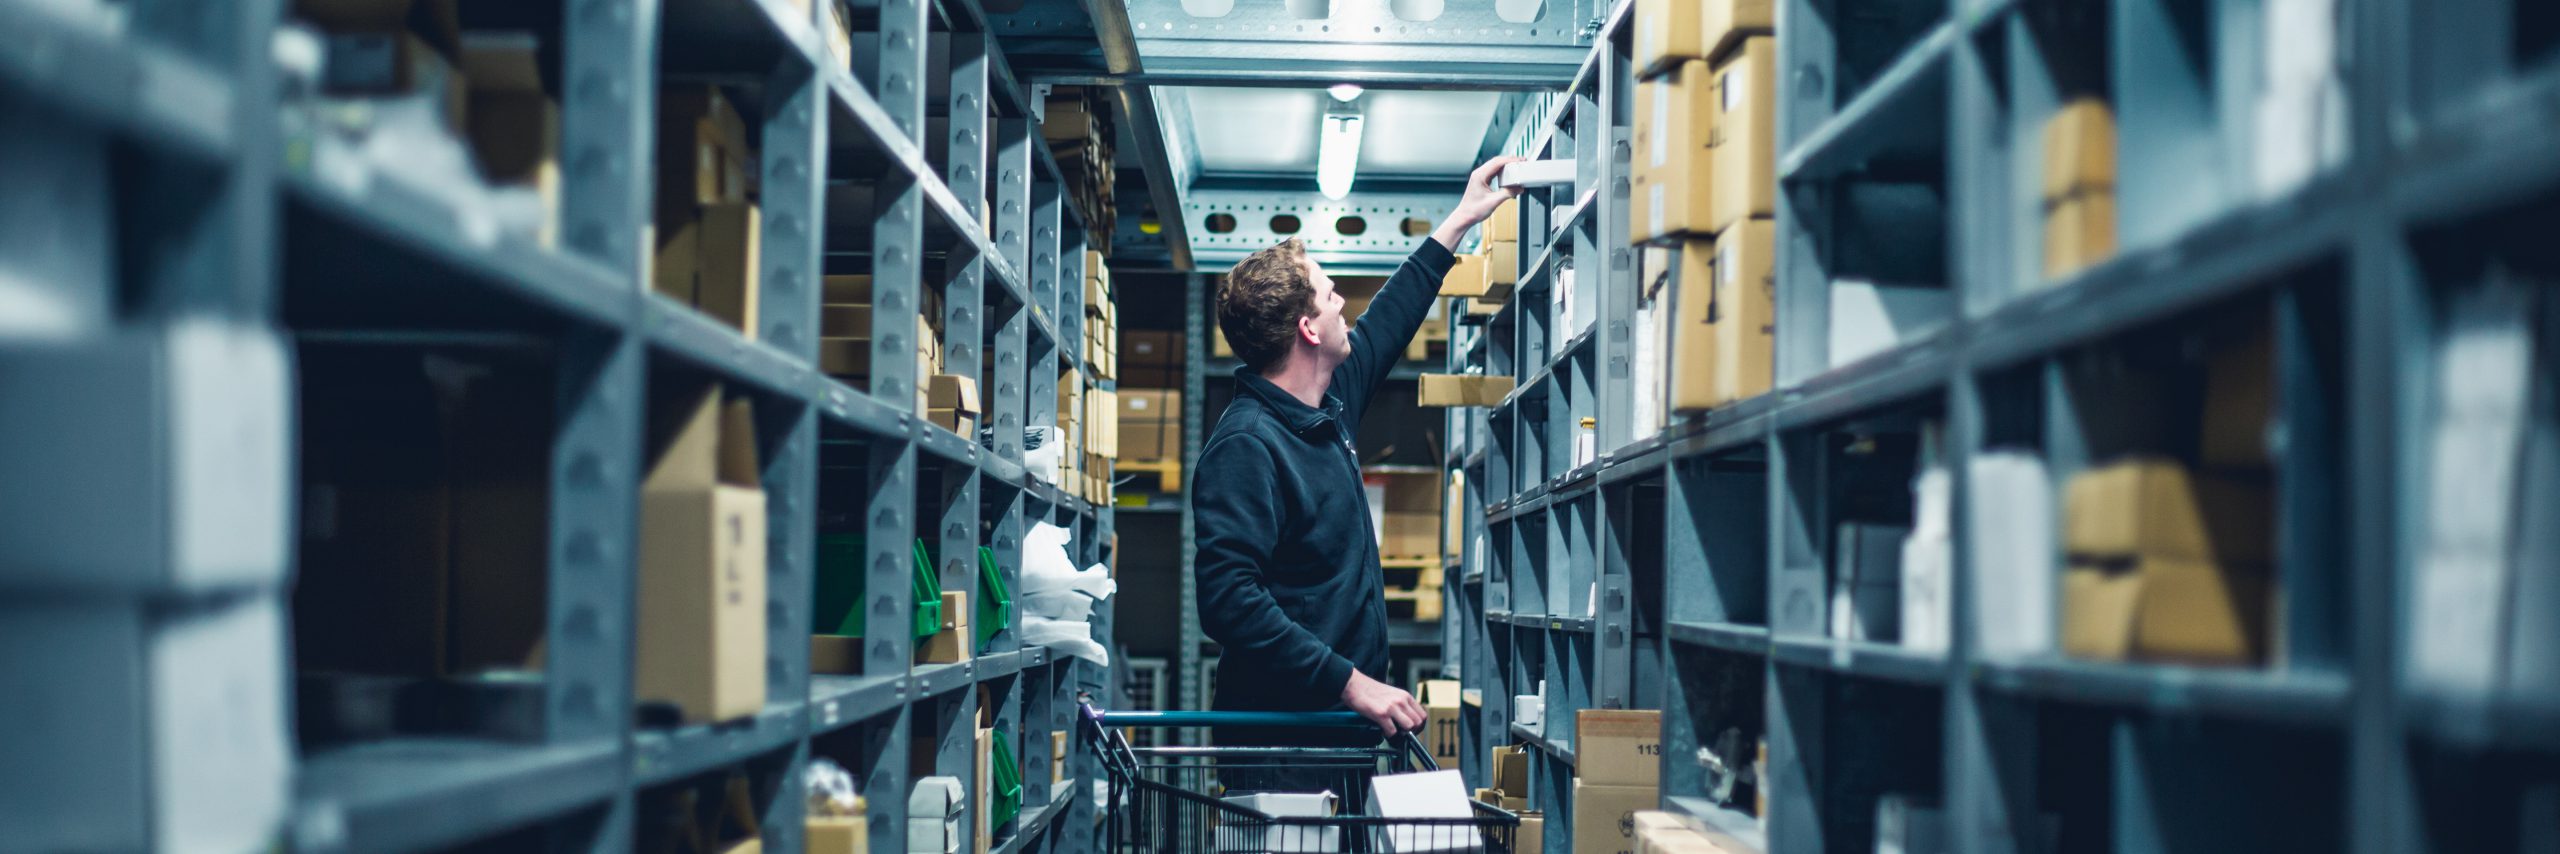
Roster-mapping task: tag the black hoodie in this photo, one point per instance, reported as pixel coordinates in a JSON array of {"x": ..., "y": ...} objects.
[{"x": 1289, "y": 582}]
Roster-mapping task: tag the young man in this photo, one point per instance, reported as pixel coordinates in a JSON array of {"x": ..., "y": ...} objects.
[{"x": 1289, "y": 582}]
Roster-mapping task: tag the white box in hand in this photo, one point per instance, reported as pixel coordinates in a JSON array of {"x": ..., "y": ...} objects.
[
  {"x": 1281, "y": 837},
  {"x": 1431, "y": 794}
]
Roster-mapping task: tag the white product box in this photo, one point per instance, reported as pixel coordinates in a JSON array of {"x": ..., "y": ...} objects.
[
  {"x": 147, "y": 731},
  {"x": 179, "y": 439},
  {"x": 1537, "y": 173},
  {"x": 1927, "y": 573},
  {"x": 1868, "y": 318},
  {"x": 2011, "y": 514},
  {"x": 1431, "y": 794},
  {"x": 1527, "y": 710},
  {"x": 1281, "y": 838},
  {"x": 935, "y": 797}
]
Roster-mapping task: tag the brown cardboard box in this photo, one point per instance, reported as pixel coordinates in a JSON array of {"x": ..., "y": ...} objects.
[
  {"x": 1150, "y": 424},
  {"x": 1463, "y": 390},
  {"x": 982, "y": 788},
  {"x": 1510, "y": 770},
  {"x": 1661, "y": 831},
  {"x": 1409, "y": 535},
  {"x": 702, "y": 149},
  {"x": 1604, "y": 816},
  {"x": 1744, "y": 141},
  {"x": 1723, "y": 24},
  {"x": 2165, "y": 609},
  {"x": 499, "y": 484},
  {"x": 1485, "y": 306},
  {"x": 1466, "y": 277},
  {"x": 1453, "y": 512},
  {"x": 2079, "y": 232},
  {"x": 1501, "y": 268},
  {"x": 839, "y": 33},
  {"x": 1532, "y": 834},
  {"x": 1693, "y": 378},
  {"x": 953, "y": 643},
  {"x": 709, "y": 261},
  {"x": 1439, "y": 698},
  {"x": 1150, "y": 359},
  {"x": 702, "y": 566},
  {"x": 1503, "y": 226},
  {"x": 1058, "y": 749},
  {"x": 846, "y": 290},
  {"x": 2079, "y": 150},
  {"x": 2239, "y": 402},
  {"x": 1667, "y": 32},
  {"x": 1618, "y": 747},
  {"x": 838, "y": 654},
  {"x": 1746, "y": 312},
  {"x": 844, "y": 320},
  {"x": 1671, "y": 173},
  {"x": 2153, "y": 507},
  {"x": 951, "y": 400},
  {"x": 850, "y": 835}
]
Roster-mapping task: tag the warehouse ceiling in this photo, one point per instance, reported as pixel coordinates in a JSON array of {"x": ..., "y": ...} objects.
[{"x": 1252, "y": 131}]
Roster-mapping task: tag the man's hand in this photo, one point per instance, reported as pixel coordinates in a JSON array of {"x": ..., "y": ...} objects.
[
  {"x": 1386, "y": 705},
  {"x": 1481, "y": 198}
]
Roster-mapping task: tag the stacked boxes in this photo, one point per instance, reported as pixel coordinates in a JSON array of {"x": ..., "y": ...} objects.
[
  {"x": 1486, "y": 276},
  {"x": 952, "y": 642},
  {"x": 2166, "y": 564},
  {"x": 702, "y": 565},
  {"x": 1101, "y": 319},
  {"x": 1078, "y": 127},
  {"x": 1618, "y": 755},
  {"x": 2079, "y": 187},
  {"x": 1463, "y": 389},
  {"x": 845, "y": 327},
  {"x": 1405, "y": 511},
  {"x": 707, "y": 221},
  {"x": 1703, "y": 192}
]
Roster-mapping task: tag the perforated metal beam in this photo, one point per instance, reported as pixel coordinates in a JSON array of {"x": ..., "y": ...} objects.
[{"x": 1380, "y": 245}]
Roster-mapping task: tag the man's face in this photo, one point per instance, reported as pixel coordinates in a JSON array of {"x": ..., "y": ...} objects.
[{"x": 1331, "y": 328}]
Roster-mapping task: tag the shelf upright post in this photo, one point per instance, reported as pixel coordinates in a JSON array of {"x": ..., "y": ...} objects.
[
  {"x": 794, "y": 181},
  {"x": 1197, "y": 321},
  {"x": 1007, "y": 406}
]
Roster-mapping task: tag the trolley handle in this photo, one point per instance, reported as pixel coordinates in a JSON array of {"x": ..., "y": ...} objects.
[{"x": 1275, "y": 720}]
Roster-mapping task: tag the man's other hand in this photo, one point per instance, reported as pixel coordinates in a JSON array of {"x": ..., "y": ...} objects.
[{"x": 1388, "y": 706}]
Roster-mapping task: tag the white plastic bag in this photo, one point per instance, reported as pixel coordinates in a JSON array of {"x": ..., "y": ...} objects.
[{"x": 1068, "y": 637}]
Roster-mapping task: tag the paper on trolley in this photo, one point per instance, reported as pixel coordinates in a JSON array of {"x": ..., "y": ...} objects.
[
  {"x": 1431, "y": 794},
  {"x": 1284, "y": 838}
]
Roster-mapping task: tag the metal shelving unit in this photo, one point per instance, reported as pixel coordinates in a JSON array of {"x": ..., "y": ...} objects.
[
  {"x": 1698, "y": 556},
  {"x": 283, "y": 256}
]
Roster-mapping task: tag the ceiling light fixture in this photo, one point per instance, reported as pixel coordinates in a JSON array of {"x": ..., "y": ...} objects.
[
  {"x": 1344, "y": 92},
  {"x": 1338, "y": 152}
]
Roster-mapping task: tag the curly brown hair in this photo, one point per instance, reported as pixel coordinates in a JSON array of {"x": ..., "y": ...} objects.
[{"x": 1261, "y": 300}]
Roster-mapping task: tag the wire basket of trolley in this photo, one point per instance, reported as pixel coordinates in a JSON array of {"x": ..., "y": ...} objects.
[{"x": 1386, "y": 797}]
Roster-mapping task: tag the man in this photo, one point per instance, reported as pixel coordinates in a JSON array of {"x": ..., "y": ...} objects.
[{"x": 1289, "y": 581}]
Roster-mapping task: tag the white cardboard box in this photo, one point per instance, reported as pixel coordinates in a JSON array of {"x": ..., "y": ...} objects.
[
  {"x": 2011, "y": 516},
  {"x": 1431, "y": 794},
  {"x": 935, "y": 796},
  {"x": 1537, "y": 173},
  {"x": 1284, "y": 838}
]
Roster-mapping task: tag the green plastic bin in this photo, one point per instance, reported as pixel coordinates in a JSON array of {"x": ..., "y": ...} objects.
[
  {"x": 1007, "y": 800},
  {"x": 842, "y": 583},
  {"x": 995, "y": 601}
]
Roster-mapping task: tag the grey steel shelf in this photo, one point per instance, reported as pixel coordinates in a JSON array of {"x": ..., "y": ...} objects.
[
  {"x": 1895, "y": 109},
  {"x": 2283, "y": 697},
  {"x": 406, "y": 224},
  {"x": 937, "y": 679},
  {"x": 840, "y": 701},
  {"x": 422, "y": 794},
  {"x": 1029, "y": 827},
  {"x": 144, "y": 93},
  {"x": 1861, "y": 658},
  {"x": 1729, "y": 637},
  {"x": 660, "y": 755},
  {"x": 676, "y": 328}
]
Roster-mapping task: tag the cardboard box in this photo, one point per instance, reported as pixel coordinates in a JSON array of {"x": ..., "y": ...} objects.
[
  {"x": 1745, "y": 315},
  {"x": 836, "y": 654},
  {"x": 1503, "y": 226},
  {"x": 1669, "y": 172},
  {"x": 1453, "y": 515},
  {"x": 1723, "y": 24},
  {"x": 951, "y": 400},
  {"x": 1501, "y": 269},
  {"x": 1618, "y": 747},
  {"x": 2152, "y": 507},
  {"x": 2079, "y": 150},
  {"x": 850, "y": 835},
  {"x": 1604, "y": 816},
  {"x": 1430, "y": 794},
  {"x": 2165, "y": 609},
  {"x": 1691, "y": 381},
  {"x": 1510, "y": 770},
  {"x": 1150, "y": 359},
  {"x": 1439, "y": 698},
  {"x": 1150, "y": 424},
  {"x": 1532, "y": 835},
  {"x": 702, "y": 150},
  {"x": 1744, "y": 141},
  {"x": 1666, "y": 33},
  {"x": 838, "y": 31},
  {"x": 954, "y": 642},
  {"x": 701, "y": 621},
  {"x": 2079, "y": 232},
  {"x": 709, "y": 261},
  {"x": 936, "y": 798},
  {"x": 1463, "y": 389},
  {"x": 1466, "y": 278},
  {"x": 2239, "y": 402}
]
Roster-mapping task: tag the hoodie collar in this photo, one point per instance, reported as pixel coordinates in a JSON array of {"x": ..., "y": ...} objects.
[{"x": 1293, "y": 412}]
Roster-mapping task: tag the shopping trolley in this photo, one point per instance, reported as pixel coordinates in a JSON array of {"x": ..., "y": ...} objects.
[{"x": 1172, "y": 799}]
